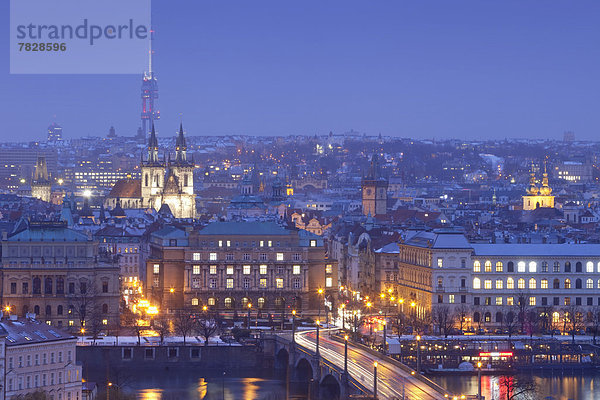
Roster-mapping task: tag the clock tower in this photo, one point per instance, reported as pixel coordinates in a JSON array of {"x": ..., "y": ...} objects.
[{"x": 374, "y": 191}]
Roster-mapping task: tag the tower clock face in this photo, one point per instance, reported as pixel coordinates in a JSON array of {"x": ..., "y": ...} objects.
[{"x": 368, "y": 191}]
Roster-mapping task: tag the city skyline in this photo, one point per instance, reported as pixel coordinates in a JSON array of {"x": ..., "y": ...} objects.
[{"x": 410, "y": 71}]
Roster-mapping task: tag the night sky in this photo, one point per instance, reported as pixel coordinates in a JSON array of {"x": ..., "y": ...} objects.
[{"x": 422, "y": 69}]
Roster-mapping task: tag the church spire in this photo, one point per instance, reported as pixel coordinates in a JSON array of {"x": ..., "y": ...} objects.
[
  {"x": 153, "y": 147},
  {"x": 180, "y": 146},
  {"x": 545, "y": 190},
  {"x": 533, "y": 189}
]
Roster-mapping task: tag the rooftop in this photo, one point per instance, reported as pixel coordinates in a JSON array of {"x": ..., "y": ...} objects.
[
  {"x": 548, "y": 250},
  {"x": 28, "y": 331},
  {"x": 244, "y": 228}
]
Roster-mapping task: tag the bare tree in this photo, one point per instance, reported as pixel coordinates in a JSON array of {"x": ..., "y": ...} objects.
[
  {"x": 516, "y": 387},
  {"x": 545, "y": 319},
  {"x": 94, "y": 322},
  {"x": 509, "y": 321},
  {"x": 130, "y": 320},
  {"x": 523, "y": 309},
  {"x": 83, "y": 302},
  {"x": 443, "y": 318},
  {"x": 593, "y": 318},
  {"x": 183, "y": 323},
  {"x": 462, "y": 312},
  {"x": 207, "y": 325},
  {"x": 162, "y": 326},
  {"x": 573, "y": 320}
]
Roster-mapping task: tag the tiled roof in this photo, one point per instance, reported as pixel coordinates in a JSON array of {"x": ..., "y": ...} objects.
[
  {"x": 244, "y": 228},
  {"x": 48, "y": 234},
  {"x": 127, "y": 188},
  {"x": 27, "y": 331},
  {"x": 551, "y": 250}
]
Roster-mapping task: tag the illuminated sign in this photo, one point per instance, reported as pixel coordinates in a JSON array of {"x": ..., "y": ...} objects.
[{"x": 496, "y": 354}]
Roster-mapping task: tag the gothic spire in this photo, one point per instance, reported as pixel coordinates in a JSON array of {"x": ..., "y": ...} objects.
[
  {"x": 180, "y": 146},
  {"x": 153, "y": 146}
]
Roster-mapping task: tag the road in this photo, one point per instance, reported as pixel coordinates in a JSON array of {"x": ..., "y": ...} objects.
[{"x": 392, "y": 382}]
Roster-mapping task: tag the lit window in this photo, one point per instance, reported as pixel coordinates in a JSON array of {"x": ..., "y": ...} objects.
[
  {"x": 532, "y": 283},
  {"x": 499, "y": 283},
  {"x": 510, "y": 283},
  {"x": 263, "y": 269},
  {"x": 296, "y": 270},
  {"x": 498, "y": 301},
  {"x": 156, "y": 268},
  {"x": 196, "y": 270},
  {"x": 521, "y": 283},
  {"x": 263, "y": 283},
  {"x": 195, "y": 301},
  {"x": 212, "y": 257},
  {"x": 212, "y": 270},
  {"x": 328, "y": 268},
  {"x": 313, "y": 243},
  {"x": 328, "y": 281},
  {"x": 487, "y": 284},
  {"x": 488, "y": 266},
  {"x": 211, "y": 301},
  {"x": 440, "y": 262},
  {"x": 521, "y": 266},
  {"x": 476, "y": 266},
  {"x": 230, "y": 270},
  {"x": 220, "y": 243},
  {"x": 532, "y": 266},
  {"x": 451, "y": 298},
  {"x": 510, "y": 301},
  {"x": 196, "y": 256},
  {"x": 229, "y": 243},
  {"x": 499, "y": 266},
  {"x": 589, "y": 284},
  {"x": 246, "y": 269},
  {"x": 532, "y": 301},
  {"x": 279, "y": 283},
  {"x": 567, "y": 283},
  {"x": 544, "y": 284},
  {"x": 270, "y": 243},
  {"x": 71, "y": 322},
  {"x": 262, "y": 243},
  {"x": 589, "y": 267},
  {"x": 229, "y": 283},
  {"x": 476, "y": 283},
  {"x": 279, "y": 256}
]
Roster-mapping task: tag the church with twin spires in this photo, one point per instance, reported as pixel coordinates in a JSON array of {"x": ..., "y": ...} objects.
[
  {"x": 164, "y": 183},
  {"x": 538, "y": 197}
]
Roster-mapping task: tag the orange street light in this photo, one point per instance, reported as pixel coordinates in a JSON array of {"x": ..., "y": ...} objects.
[
  {"x": 401, "y": 301},
  {"x": 249, "y": 305},
  {"x": 369, "y": 304},
  {"x": 293, "y": 312},
  {"x": 204, "y": 308},
  {"x": 412, "y": 304},
  {"x": 390, "y": 290},
  {"x": 172, "y": 290},
  {"x": 320, "y": 291},
  {"x": 7, "y": 308}
]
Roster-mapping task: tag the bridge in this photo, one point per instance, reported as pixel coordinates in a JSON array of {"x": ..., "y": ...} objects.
[{"x": 325, "y": 373}]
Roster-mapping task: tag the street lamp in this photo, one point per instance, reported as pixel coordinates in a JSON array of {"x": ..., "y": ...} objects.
[
  {"x": 375, "y": 379},
  {"x": 478, "y": 380},
  {"x": 293, "y": 326},
  {"x": 346, "y": 355},
  {"x": 248, "y": 321},
  {"x": 318, "y": 326},
  {"x": 418, "y": 354},
  {"x": 343, "y": 306},
  {"x": 320, "y": 293}
]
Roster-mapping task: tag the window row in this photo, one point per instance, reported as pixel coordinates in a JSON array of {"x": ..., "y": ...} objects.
[
  {"x": 532, "y": 301},
  {"x": 247, "y": 283},
  {"x": 245, "y": 257},
  {"x": 532, "y": 266},
  {"x": 532, "y": 283},
  {"x": 53, "y": 286},
  {"x": 247, "y": 269},
  {"x": 38, "y": 359}
]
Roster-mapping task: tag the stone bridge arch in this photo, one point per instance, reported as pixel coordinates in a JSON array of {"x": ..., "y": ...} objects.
[{"x": 330, "y": 388}]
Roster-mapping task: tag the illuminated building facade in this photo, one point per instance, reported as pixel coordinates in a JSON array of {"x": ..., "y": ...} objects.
[
  {"x": 227, "y": 265},
  {"x": 538, "y": 197},
  {"x": 41, "y": 187},
  {"x": 57, "y": 273}
]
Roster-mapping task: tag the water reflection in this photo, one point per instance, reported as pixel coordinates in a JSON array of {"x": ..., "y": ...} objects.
[{"x": 551, "y": 386}]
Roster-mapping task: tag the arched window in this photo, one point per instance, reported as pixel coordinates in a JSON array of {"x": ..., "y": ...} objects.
[
  {"x": 555, "y": 317},
  {"x": 59, "y": 310},
  {"x": 104, "y": 308},
  {"x": 37, "y": 286},
  {"x": 521, "y": 266},
  {"x": 488, "y": 266},
  {"x": 185, "y": 179},
  {"x": 532, "y": 266},
  {"x": 510, "y": 283},
  {"x": 499, "y": 266},
  {"x": 578, "y": 267},
  {"x": 544, "y": 266},
  {"x": 532, "y": 283},
  {"x": 476, "y": 283},
  {"x": 556, "y": 267},
  {"x": 476, "y": 317},
  {"x": 499, "y": 283},
  {"x": 589, "y": 284},
  {"x": 510, "y": 267},
  {"x": 36, "y": 310},
  {"x": 567, "y": 266},
  {"x": 499, "y": 317},
  {"x": 261, "y": 302},
  {"x": 211, "y": 301},
  {"x": 577, "y": 283},
  {"x": 556, "y": 284},
  {"x": 48, "y": 310},
  {"x": 521, "y": 283},
  {"x": 228, "y": 302},
  {"x": 567, "y": 283},
  {"x": 48, "y": 285},
  {"x": 146, "y": 180},
  {"x": 25, "y": 309},
  {"x": 544, "y": 283},
  {"x": 488, "y": 317},
  {"x": 476, "y": 266},
  {"x": 589, "y": 267},
  {"x": 245, "y": 302},
  {"x": 195, "y": 301}
]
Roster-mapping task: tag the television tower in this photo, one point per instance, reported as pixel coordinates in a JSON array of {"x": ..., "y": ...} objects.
[{"x": 150, "y": 113}]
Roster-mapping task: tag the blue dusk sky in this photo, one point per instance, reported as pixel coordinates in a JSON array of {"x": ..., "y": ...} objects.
[{"x": 422, "y": 69}]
